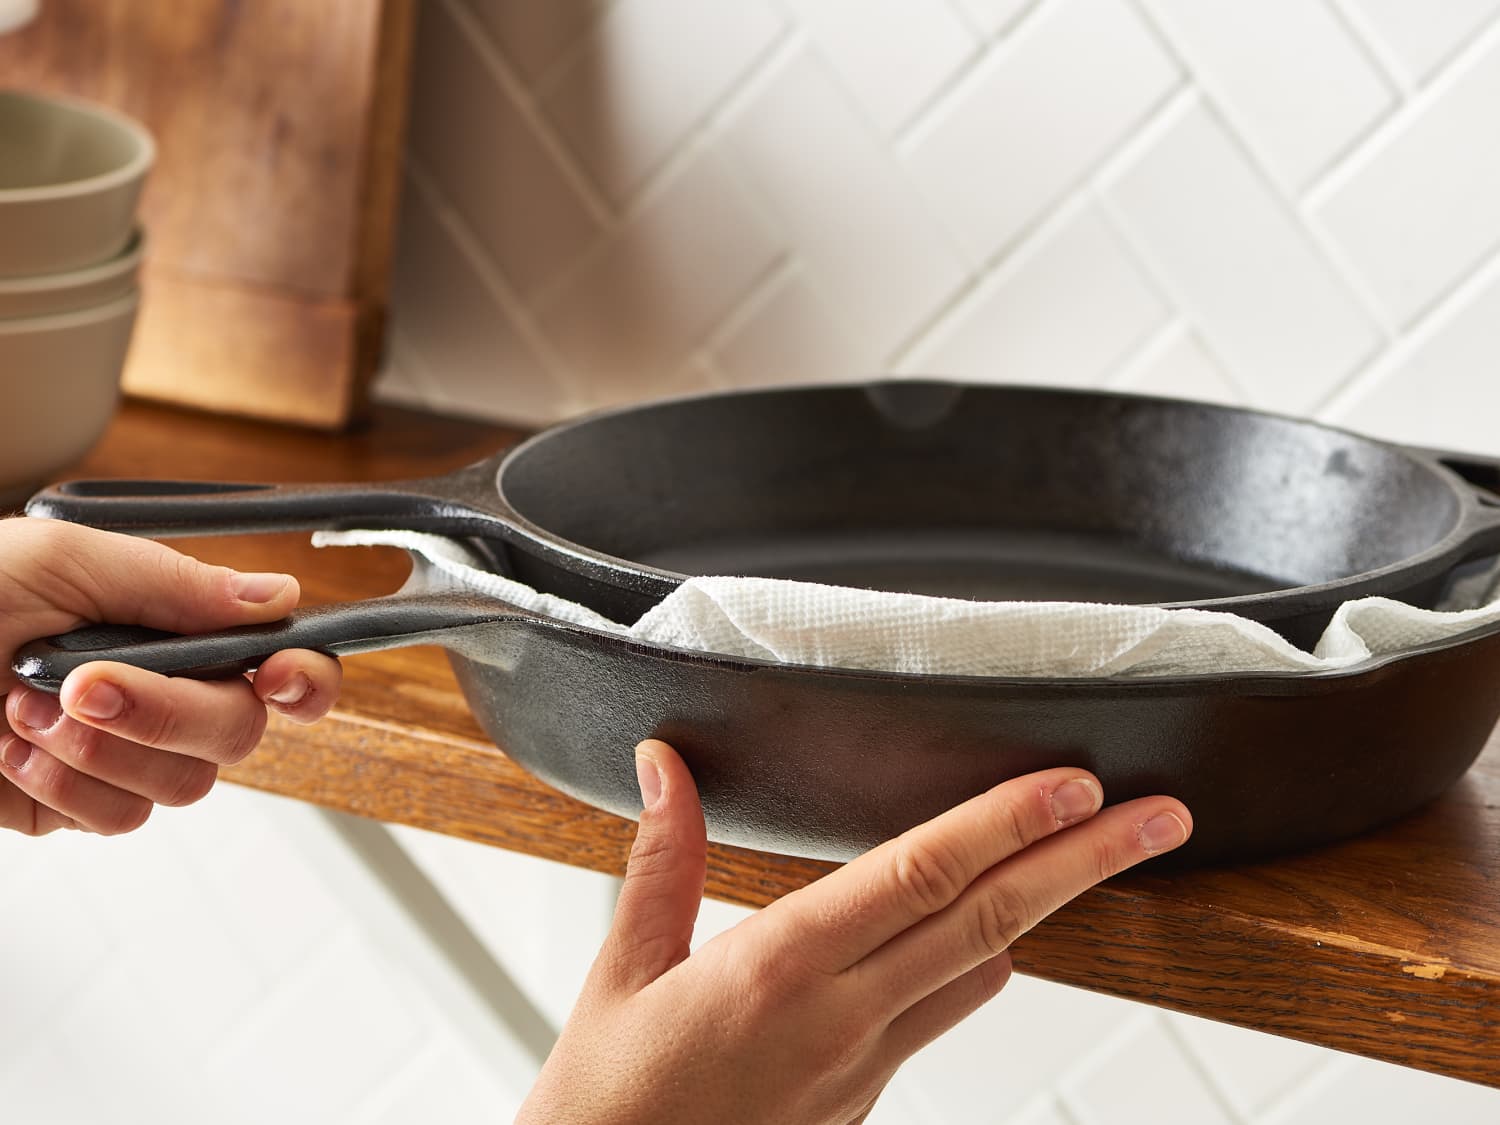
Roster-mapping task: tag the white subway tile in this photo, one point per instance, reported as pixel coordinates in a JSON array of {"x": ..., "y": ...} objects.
[
  {"x": 1420, "y": 207},
  {"x": 333, "y": 1028},
  {"x": 1420, "y": 33},
  {"x": 443, "y": 1086},
  {"x": 1064, "y": 310},
  {"x": 1251, "y": 1070},
  {"x": 676, "y": 269},
  {"x": 1374, "y": 1092},
  {"x": 1446, "y": 392},
  {"x": 994, "y": 16},
  {"x": 1285, "y": 72},
  {"x": 534, "y": 36},
  {"x": 868, "y": 246},
  {"x": 474, "y": 143},
  {"x": 548, "y": 948},
  {"x": 1141, "y": 1077},
  {"x": 1181, "y": 368},
  {"x": 892, "y": 54},
  {"x": 1034, "y": 119},
  {"x": 992, "y": 1065},
  {"x": 476, "y": 359},
  {"x": 41, "y": 1086},
  {"x": 1237, "y": 263},
  {"x": 651, "y": 71},
  {"x": 793, "y": 335}
]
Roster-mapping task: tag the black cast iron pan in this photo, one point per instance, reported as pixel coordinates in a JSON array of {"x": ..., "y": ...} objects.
[
  {"x": 828, "y": 763},
  {"x": 989, "y": 492}
]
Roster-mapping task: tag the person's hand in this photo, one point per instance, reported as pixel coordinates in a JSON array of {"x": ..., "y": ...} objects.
[
  {"x": 120, "y": 740},
  {"x": 802, "y": 1012}
]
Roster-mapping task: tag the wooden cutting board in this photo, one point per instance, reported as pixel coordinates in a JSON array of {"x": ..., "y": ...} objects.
[{"x": 270, "y": 213}]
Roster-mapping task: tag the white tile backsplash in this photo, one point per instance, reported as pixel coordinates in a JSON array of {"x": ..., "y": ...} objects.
[
  {"x": 1418, "y": 207},
  {"x": 1065, "y": 310},
  {"x": 1235, "y": 260},
  {"x": 839, "y": 200},
  {"x": 1295, "y": 85},
  {"x": 1034, "y": 117},
  {"x": 905, "y": 52},
  {"x": 1420, "y": 34},
  {"x": 683, "y": 56}
]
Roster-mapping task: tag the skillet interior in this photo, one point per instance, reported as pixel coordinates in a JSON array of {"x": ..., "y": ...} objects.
[{"x": 982, "y": 492}]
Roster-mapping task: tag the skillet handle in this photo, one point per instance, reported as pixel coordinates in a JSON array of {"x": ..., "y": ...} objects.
[
  {"x": 451, "y": 504},
  {"x": 395, "y": 621}
]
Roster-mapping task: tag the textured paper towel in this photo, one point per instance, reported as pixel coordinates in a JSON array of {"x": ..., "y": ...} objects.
[{"x": 838, "y": 627}]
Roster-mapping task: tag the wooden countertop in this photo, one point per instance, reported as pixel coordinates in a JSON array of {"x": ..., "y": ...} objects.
[{"x": 1386, "y": 946}]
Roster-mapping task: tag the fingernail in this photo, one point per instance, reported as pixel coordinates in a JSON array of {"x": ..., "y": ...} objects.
[
  {"x": 649, "y": 778},
  {"x": 258, "y": 588},
  {"x": 38, "y": 710},
  {"x": 102, "y": 701},
  {"x": 1073, "y": 800},
  {"x": 294, "y": 691},
  {"x": 1161, "y": 833},
  {"x": 14, "y": 752}
]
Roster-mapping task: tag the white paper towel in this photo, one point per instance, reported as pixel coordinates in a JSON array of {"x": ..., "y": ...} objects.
[{"x": 839, "y": 627}]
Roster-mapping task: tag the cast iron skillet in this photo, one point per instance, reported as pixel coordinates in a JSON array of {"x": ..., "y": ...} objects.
[
  {"x": 990, "y": 492},
  {"x": 826, "y": 763}
]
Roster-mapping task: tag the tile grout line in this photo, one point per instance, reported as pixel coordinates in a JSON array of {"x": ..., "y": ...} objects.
[
  {"x": 1001, "y": 262},
  {"x": 1372, "y": 45},
  {"x": 1429, "y": 323},
  {"x": 492, "y": 278},
  {"x": 1206, "y": 1076},
  {"x": 499, "y": 69}
]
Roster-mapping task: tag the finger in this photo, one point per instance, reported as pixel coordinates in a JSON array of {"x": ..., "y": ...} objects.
[
  {"x": 91, "y": 803},
  {"x": 1012, "y": 898},
  {"x": 299, "y": 684},
  {"x": 217, "y": 720},
  {"x": 101, "y": 576},
  {"x": 863, "y": 905},
  {"x": 162, "y": 777},
  {"x": 945, "y": 1009},
  {"x": 20, "y": 813},
  {"x": 658, "y": 904}
]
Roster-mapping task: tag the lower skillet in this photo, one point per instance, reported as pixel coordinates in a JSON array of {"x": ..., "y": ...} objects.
[{"x": 826, "y": 763}]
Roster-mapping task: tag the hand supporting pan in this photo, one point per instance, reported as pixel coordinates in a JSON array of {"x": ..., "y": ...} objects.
[
  {"x": 985, "y": 492},
  {"x": 827, "y": 763}
]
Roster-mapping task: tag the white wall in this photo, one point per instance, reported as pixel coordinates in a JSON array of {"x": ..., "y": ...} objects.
[{"x": 1293, "y": 204}]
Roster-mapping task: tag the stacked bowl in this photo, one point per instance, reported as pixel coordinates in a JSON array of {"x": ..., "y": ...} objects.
[{"x": 70, "y": 249}]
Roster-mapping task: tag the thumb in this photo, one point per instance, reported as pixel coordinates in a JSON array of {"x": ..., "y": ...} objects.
[
  {"x": 658, "y": 903},
  {"x": 82, "y": 573}
]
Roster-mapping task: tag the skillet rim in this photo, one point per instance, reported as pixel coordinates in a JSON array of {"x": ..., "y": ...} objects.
[{"x": 1424, "y": 565}]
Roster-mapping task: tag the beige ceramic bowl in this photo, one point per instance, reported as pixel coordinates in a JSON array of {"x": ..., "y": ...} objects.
[
  {"x": 59, "y": 383},
  {"x": 51, "y": 293},
  {"x": 70, "y": 175}
]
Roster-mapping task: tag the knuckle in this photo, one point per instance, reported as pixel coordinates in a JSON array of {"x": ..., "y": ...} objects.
[
  {"x": 127, "y": 816},
  {"x": 192, "y": 784},
  {"x": 82, "y": 747},
  {"x": 245, "y": 737},
  {"x": 927, "y": 877},
  {"x": 1015, "y": 825},
  {"x": 1001, "y": 916}
]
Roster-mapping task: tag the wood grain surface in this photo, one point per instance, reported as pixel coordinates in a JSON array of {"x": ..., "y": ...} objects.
[
  {"x": 270, "y": 213},
  {"x": 1387, "y": 945}
]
